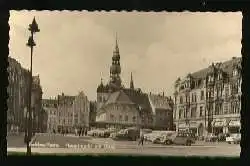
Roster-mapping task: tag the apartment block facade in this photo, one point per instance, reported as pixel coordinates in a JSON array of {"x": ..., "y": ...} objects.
[{"x": 209, "y": 100}]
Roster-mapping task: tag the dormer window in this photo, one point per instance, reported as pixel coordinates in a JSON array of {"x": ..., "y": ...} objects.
[
  {"x": 235, "y": 72},
  {"x": 210, "y": 78},
  {"x": 219, "y": 76}
]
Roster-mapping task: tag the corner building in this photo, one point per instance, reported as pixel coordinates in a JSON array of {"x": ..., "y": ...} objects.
[{"x": 209, "y": 100}]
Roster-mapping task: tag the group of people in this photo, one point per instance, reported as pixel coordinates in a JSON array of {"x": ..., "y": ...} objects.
[{"x": 81, "y": 132}]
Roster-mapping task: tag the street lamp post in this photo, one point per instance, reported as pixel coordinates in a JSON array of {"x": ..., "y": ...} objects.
[{"x": 33, "y": 28}]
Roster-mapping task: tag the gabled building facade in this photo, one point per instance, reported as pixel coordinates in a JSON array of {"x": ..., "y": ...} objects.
[
  {"x": 81, "y": 111},
  {"x": 65, "y": 113},
  {"x": 50, "y": 107},
  {"x": 208, "y": 101}
]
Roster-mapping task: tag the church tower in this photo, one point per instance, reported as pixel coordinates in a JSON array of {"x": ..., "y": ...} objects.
[
  {"x": 115, "y": 69},
  {"x": 131, "y": 82}
]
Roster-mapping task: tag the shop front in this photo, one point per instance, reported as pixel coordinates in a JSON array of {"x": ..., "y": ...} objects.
[
  {"x": 218, "y": 126},
  {"x": 193, "y": 127},
  {"x": 201, "y": 130},
  {"x": 182, "y": 127},
  {"x": 234, "y": 126}
]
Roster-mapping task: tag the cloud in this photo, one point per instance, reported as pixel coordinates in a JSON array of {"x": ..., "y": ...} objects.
[{"x": 74, "y": 49}]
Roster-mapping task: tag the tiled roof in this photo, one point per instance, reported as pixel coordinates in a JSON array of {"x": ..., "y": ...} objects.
[
  {"x": 226, "y": 66},
  {"x": 160, "y": 102},
  {"x": 139, "y": 98},
  {"x": 118, "y": 97},
  {"x": 129, "y": 96},
  {"x": 63, "y": 99},
  {"x": 49, "y": 102}
]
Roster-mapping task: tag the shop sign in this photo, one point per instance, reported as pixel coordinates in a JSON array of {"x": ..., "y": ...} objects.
[
  {"x": 218, "y": 124},
  {"x": 234, "y": 123}
]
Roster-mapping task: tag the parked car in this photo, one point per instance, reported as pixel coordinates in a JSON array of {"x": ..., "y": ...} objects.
[
  {"x": 234, "y": 138},
  {"x": 127, "y": 134},
  {"x": 211, "y": 137},
  {"x": 166, "y": 139},
  {"x": 184, "y": 139},
  {"x": 149, "y": 136},
  {"x": 108, "y": 132}
]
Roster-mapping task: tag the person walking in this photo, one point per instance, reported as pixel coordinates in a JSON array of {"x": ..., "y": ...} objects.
[
  {"x": 79, "y": 132},
  {"x": 141, "y": 140},
  {"x": 75, "y": 131},
  {"x": 86, "y": 132}
]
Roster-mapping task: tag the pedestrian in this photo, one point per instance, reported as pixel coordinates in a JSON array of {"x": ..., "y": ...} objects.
[
  {"x": 79, "y": 132},
  {"x": 141, "y": 140},
  {"x": 82, "y": 132},
  {"x": 86, "y": 132},
  {"x": 76, "y": 131}
]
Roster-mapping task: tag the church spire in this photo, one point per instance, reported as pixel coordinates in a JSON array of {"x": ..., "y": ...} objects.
[
  {"x": 115, "y": 68},
  {"x": 116, "y": 44},
  {"x": 131, "y": 82}
]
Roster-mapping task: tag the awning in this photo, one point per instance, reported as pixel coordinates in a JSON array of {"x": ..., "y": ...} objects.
[
  {"x": 193, "y": 125},
  {"x": 182, "y": 125},
  {"x": 234, "y": 123},
  {"x": 188, "y": 125}
]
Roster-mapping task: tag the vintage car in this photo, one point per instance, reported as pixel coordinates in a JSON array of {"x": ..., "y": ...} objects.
[
  {"x": 130, "y": 134},
  {"x": 234, "y": 138},
  {"x": 108, "y": 132},
  {"x": 166, "y": 139},
  {"x": 184, "y": 139}
]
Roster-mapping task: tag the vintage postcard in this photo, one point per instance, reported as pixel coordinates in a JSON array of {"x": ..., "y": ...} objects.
[{"x": 140, "y": 83}]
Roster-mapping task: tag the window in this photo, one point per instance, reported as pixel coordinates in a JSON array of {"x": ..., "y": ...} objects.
[
  {"x": 216, "y": 109},
  {"x": 120, "y": 117},
  {"x": 180, "y": 113},
  {"x": 181, "y": 100},
  {"x": 193, "y": 112},
  {"x": 112, "y": 117},
  {"x": 126, "y": 118},
  {"x": 202, "y": 95},
  {"x": 238, "y": 107},
  {"x": 201, "y": 111},
  {"x": 226, "y": 91},
  {"x": 235, "y": 72},
  {"x": 134, "y": 119}
]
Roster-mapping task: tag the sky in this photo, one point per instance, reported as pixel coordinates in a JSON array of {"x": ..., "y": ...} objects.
[{"x": 74, "y": 49}]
